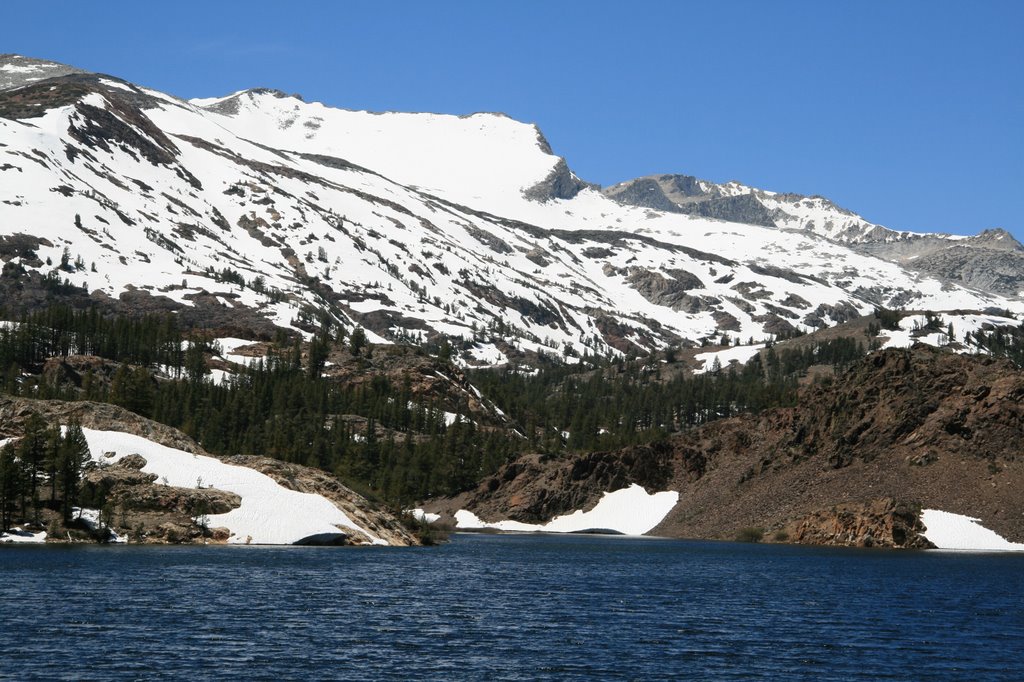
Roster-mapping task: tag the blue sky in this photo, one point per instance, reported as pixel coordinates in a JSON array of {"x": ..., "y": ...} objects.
[{"x": 910, "y": 113}]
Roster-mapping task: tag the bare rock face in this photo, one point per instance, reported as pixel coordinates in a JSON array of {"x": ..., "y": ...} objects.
[
  {"x": 150, "y": 513},
  {"x": 99, "y": 416},
  {"x": 687, "y": 194},
  {"x": 992, "y": 261},
  {"x": 561, "y": 183},
  {"x": 118, "y": 475},
  {"x": 879, "y": 523},
  {"x": 671, "y": 291},
  {"x": 22, "y": 71},
  {"x": 165, "y": 498},
  {"x": 1000, "y": 271}
]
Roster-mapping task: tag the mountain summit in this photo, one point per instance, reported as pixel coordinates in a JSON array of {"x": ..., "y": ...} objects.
[{"x": 258, "y": 211}]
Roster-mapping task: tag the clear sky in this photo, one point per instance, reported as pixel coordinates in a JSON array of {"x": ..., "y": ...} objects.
[{"x": 909, "y": 113}]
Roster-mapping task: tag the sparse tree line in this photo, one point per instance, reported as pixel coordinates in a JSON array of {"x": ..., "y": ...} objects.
[{"x": 622, "y": 403}]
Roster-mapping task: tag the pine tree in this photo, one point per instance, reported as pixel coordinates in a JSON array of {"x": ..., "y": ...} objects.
[
  {"x": 318, "y": 352},
  {"x": 32, "y": 455},
  {"x": 74, "y": 453},
  {"x": 10, "y": 485},
  {"x": 195, "y": 362},
  {"x": 357, "y": 341}
]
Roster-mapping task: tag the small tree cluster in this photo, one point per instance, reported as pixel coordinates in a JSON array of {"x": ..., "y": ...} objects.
[{"x": 43, "y": 455}]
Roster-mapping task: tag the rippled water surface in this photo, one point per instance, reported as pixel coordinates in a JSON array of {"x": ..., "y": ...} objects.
[{"x": 510, "y": 607}]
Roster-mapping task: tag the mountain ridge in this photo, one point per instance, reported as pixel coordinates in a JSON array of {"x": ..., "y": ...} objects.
[
  {"x": 416, "y": 227},
  {"x": 953, "y": 258}
]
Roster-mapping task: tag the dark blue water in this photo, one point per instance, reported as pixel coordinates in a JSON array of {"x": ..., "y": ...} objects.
[{"x": 510, "y": 608}]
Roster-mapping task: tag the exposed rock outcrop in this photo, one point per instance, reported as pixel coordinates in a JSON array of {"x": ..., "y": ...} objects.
[
  {"x": 670, "y": 292},
  {"x": 534, "y": 488},
  {"x": 687, "y": 194},
  {"x": 561, "y": 183},
  {"x": 879, "y": 523},
  {"x": 100, "y": 416}
]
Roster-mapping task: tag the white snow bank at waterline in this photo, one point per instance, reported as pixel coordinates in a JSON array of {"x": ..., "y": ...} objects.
[
  {"x": 23, "y": 536},
  {"x": 269, "y": 513},
  {"x": 955, "y": 531},
  {"x": 91, "y": 518},
  {"x": 630, "y": 511}
]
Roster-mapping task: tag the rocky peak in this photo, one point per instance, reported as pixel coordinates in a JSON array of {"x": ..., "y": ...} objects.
[
  {"x": 16, "y": 70},
  {"x": 686, "y": 185},
  {"x": 990, "y": 261},
  {"x": 561, "y": 183},
  {"x": 693, "y": 196},
  {"x": 997, "y": 238}
]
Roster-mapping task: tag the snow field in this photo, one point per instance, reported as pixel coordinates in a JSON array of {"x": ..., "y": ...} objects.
[
  {"x": 441, "y": 153},
  {"x": 955, "y": 531},
  {"x": 904, "y": 337},
  {"x": 269, "y": 513},
  {"x": 630, "y": 511},
  {"x": 738, "y": 354}
]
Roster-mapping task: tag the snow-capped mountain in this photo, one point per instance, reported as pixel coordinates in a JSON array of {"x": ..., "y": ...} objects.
[{"x": 259, "y": 209}]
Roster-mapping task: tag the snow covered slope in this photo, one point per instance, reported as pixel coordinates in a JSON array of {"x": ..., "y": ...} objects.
[
  {"x": 451, "y": 156},
  {"x": 263, "y": 210},
  {"x": 269, "y": 514}
]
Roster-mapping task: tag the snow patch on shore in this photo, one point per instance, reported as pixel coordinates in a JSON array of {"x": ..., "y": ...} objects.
[
  {"x": 91, "y": 517},
  {"x": 17, "y": 535},
  {"x": 425, "y": 516},
  {"x": 955, "y": 531},
  {"x": 630, "y": 511},
  {"x": 269, "y": 513}
]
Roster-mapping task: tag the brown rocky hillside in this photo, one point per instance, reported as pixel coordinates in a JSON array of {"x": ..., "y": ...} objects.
[{"x": 852, "y": 463}]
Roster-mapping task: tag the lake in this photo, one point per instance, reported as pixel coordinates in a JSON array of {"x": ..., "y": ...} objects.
[{"x": 510, "y": 608}]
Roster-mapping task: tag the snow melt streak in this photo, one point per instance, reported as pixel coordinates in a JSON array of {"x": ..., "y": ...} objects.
[
  {"x": 631, "y": 511},
  {"x": 269, "y": 514}
]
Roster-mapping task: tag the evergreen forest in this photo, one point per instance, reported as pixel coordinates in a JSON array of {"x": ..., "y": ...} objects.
[{"x": 376, "y": 434}]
